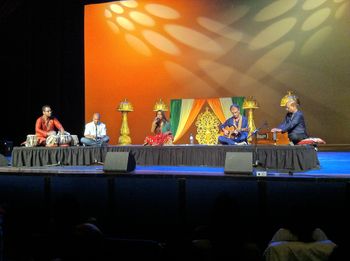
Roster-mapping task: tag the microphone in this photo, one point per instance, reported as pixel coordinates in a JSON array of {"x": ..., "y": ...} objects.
[
  {"x": 258, "y": 129},
  {"x": 255, "y": 131}
]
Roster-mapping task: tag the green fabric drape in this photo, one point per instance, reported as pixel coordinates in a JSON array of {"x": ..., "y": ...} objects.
[
  {"x": 239, "y": 101},
  {"x": 175, "y": 110}
]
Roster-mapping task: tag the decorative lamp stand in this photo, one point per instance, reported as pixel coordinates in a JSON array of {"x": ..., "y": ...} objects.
[
  {"x": 124, "y": 108},
  {"x": 250, "y": 105},
  {"x": 160, "y": 106},
  {"x": 290, "y": 96}
]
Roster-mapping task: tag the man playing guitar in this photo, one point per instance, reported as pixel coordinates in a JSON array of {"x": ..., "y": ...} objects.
[{"x": 235, "y": 129}]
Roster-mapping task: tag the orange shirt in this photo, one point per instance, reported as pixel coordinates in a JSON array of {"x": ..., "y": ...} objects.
[{"x": 42, "y": 127}]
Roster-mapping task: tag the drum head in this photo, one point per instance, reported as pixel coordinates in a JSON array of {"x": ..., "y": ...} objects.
[{"x": 32, "y": 140}]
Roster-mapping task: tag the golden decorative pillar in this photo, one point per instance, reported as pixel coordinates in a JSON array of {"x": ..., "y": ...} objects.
[
  {"x": 207, "y": 128},
  {"x": 250, "y": 105},
  {"x": 124, "y": 108},
  {"x": 290, "y": 96}
]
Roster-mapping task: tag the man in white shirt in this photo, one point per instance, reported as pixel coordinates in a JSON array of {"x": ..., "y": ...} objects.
[{"x": 95, "y": 133}]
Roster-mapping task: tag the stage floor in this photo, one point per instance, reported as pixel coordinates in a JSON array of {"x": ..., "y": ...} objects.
[{"x": 332, "y": 165}]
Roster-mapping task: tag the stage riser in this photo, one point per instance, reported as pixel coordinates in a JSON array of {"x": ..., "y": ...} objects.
[{"x": 283, "y": 158}]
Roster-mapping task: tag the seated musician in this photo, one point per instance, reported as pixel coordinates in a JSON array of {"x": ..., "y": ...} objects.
[
  {"x": 162, "y": 131},
  {"x": 46, "y": 125},
  {"x": 293, "y": 123},
  {"x": 235, "y": 129},
  {"x": 95, "y": 133}
]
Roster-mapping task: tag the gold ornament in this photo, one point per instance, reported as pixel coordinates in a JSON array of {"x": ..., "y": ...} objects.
[
  {"x": 124, "y": 108},
  {"x": 290, "y": 96},
  {"x": 160, "y": 106},
  {"x": 207, "y": 128},
  {"x": 250, "y": 105}
]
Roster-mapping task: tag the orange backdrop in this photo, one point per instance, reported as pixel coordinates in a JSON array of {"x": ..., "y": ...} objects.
[
  {"x": 150, "y": 49},
  {"x": 136, "y": 52}
]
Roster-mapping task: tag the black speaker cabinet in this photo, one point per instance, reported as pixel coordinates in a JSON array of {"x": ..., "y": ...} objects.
[
  {"x": 120, "y": 162},
  {"x": 239, "y": 163},
  {"x": 3, "y": 161}
]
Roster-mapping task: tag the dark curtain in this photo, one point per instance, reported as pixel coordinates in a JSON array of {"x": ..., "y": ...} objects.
[{"x": 41, "y": 62}]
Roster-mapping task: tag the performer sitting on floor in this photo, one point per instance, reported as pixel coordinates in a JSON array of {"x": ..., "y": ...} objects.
[
  {"x": 46, "y": 125},
  {"x": 235, "y": 129},
  {"x": 95, "y": 132},
  {"x": 161, "y": 129},
  {"x": 293, "y": 123}
]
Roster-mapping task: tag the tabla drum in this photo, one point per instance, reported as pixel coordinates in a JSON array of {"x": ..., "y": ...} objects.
[
  {"x": 32, "y": 140},
  {"x": 75, "y": 140},
  {"x": 52, "y": 141},
  {"x": 65, "y": 140}
]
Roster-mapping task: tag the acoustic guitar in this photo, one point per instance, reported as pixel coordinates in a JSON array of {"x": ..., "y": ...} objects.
[{"x": 232, "y": 131}]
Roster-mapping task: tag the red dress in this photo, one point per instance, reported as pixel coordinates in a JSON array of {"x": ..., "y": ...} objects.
[
  {"x": 42, "y": 128},
  {"x": 163, "y": 136}
]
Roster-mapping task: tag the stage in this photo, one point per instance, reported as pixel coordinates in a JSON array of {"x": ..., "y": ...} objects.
[
  {"x": 281, "y": 158},
  {"x": 331, "y": 165}
]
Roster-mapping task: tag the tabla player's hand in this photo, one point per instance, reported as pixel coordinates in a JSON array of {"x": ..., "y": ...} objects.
[{"x": 226, "y": 132}]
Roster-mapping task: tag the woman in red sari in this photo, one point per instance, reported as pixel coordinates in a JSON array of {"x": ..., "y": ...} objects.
[{"x": 161, "y": 129}]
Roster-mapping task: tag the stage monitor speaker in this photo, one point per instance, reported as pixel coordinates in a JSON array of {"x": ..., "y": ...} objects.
[
  {"x": 3, "y": 161},
  {"x": 120, "y": 162},
  {"x": 239, "y": 163}
]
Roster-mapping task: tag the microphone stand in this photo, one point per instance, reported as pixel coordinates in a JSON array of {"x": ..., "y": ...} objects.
[
  {"x": 254, "y": 135},
  {"x": 255, "y": 138}
]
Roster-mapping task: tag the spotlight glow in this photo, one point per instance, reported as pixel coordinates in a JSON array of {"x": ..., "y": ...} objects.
[
  {"x": 271, "y": 60},
  {"x": 142, "y": 18},
  {"x": 220, "y": 73},
  {"x": 117, "y": 9},
  {"x": 138, "y": 45},
  {"x": 129, "y": 3},
  {"x": 113, "y": 26},
  {"x": 161, "y": 42},
  {"x": 125, "y": 23},
  {"x": 316, "y": 19},
  {"x": 219, "y": 28},
  {"x": 315, "y": 40},
  {"x": 108, "y": 14},
  {"x": 193, "y": 38},
  {"x": 162, "y": 11},
  {"x": 312, "y": 4},
  {"x": 342, "y": 10},
  {"x": 274, "y": 10},
  {"x": 189, "y": 83},
  {"x": 273, "y": 33}
]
